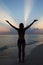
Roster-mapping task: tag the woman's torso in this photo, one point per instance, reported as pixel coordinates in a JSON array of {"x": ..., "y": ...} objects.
[{"x": 21, "y": 34}]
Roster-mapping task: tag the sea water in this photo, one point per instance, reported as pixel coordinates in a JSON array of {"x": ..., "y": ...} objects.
[{"x": 11, "y": 40}]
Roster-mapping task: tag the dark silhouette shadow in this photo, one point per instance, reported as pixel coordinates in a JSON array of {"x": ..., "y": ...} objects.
[
  {"x": 21, "y": 39},
  {"x": 36, "y": 56},
  {"x": 3, "y": 48}
]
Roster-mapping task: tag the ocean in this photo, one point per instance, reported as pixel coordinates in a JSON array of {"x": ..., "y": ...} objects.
[{"x": 11, "y": 40}]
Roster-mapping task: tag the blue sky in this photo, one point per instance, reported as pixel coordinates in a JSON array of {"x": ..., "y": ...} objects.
[
  {"x": 15, "y": 8},
  {"x": 37, "y": 10}
]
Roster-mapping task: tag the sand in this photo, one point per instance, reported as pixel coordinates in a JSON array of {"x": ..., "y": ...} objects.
[{"x": 33, "y": 55}]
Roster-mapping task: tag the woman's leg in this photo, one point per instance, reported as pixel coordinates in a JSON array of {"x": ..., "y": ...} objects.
[
  {"x": 19, "y": 51},
  {"x": 23, "y": 52},
  {"x": 19, "y": 54}
]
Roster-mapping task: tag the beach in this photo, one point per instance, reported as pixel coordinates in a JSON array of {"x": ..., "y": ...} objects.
[
  {"x": 33, "y": 55},
  {"x": 21, "y": 32}
]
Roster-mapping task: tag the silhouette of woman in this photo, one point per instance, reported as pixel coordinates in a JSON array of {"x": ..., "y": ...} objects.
[{"x": 21, "y": 40}]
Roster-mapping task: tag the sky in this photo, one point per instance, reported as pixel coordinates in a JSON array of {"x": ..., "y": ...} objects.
[{"x": 20, "y": 11}]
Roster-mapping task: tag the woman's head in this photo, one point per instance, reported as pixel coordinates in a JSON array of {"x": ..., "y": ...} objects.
[{"x": 21, "y": 25}]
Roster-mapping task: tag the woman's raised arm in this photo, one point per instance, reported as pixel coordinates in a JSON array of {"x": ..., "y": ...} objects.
[
  {"x": 30, "y": 25},
  {"x": 11, "y": 25}
]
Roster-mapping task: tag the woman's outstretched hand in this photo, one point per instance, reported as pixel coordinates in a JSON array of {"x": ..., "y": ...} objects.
[
  {"x": 7, "y": 21},
  {"x": 35, "y": 20}
]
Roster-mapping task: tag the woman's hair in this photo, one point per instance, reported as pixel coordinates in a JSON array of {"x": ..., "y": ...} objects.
[{"x": 21, "y": 25}]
